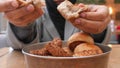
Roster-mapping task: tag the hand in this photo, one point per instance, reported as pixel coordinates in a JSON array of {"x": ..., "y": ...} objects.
[
  {"x": 95, "y": 20},
  {"x": 23, "y": 16},
  {"x": 7, "y": 5}
]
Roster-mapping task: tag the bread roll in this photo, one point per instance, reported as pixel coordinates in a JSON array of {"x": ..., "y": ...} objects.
[
  {"x": 86, "y": 49},
  {"x": 70, "y": 11},
  {"x": 78, "y": 38}
]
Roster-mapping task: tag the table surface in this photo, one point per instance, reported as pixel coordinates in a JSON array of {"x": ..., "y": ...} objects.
[{"x": 15, "y": 59}]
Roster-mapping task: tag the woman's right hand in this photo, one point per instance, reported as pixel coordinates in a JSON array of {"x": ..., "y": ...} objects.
[{"x": 21, "y": 16}]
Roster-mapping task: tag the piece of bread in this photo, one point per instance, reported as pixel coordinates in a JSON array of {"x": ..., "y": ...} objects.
[
  {"x": 78, "y": 38},
  {"x": 37, "y": 3},
  {"x": 66, "y": 49},
  {"x": 57, "y": 41},
  {"x": 86, "y": 49},
  {"x": 70, "y": 11},
  {"x": 42, "y": 52},
  {"x": 57, "y": 51},
  {"x": 52, "y": 48}
]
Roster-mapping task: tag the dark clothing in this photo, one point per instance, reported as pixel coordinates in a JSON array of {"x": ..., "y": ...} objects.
[
  {"x": 99, "y": 37},
  {"x": 56, "y": 17}
]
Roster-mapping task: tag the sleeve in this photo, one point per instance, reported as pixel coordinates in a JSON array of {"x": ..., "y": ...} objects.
[
  {"x": 24, "y": 34},
  {"x": 103, "y": 37},
  {"x": 18, "y": 37}
]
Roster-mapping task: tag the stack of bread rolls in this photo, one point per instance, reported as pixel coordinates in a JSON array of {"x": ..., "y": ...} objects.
[
  {"x": 79, "y": 44},
  {"x": 82, "y": 44}
]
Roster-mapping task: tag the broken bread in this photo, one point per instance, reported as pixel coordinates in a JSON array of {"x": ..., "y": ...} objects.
[{"x": 70, "y": 11}]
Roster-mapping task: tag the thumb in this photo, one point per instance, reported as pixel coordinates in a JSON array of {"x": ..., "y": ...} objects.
[{"x": 8, "y": 5}]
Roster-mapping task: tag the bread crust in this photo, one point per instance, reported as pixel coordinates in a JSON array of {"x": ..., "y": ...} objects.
[
  {"x": 53, "y": 48},
  {"x": 86, "y": 49},
  {"x": 42, "y": 52},
  {"x": 70, "y": 11},
  {"x": 78, "y": 38},
  {"x": 57, "y": 51}
]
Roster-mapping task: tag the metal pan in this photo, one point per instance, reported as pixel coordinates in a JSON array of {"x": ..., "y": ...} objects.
[{"x": 36, "y": 61}]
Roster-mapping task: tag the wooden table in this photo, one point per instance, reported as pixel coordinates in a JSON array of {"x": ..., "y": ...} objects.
[{"x": 15, "y": 59}]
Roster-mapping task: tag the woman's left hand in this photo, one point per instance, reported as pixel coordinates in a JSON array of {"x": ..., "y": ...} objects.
[{"x": 95, "y": 20}]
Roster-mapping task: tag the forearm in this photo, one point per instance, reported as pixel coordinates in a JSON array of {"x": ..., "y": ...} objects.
[{"x": 24, "y": 34}]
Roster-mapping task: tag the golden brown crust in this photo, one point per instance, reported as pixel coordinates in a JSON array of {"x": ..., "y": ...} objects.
[
  {"x": 78, "y": 38},
  {"x": 78, "y": 47},
  {"x": 55, "y": 50},
  {"x": 57, "y": 41},
  {"x": 86, "y": 49},
  {"x": 42, "y": 52},
  {"x": 52, "y": 48}
]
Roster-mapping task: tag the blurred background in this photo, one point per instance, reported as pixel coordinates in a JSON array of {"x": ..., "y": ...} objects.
[{"x": 114, "y": 9}]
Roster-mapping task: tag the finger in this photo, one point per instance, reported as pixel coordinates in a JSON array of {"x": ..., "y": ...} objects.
[
  {"x": 89, "y": 26},
  {"x": 26, "y": 20},
  {"x": 100, "y": 13},
  {"x": 8, "y": 5},
  {"x": 15, "y": 14}
]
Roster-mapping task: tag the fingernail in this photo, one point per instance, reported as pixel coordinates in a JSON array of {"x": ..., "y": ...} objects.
[
  {"x": 81, "y": 5},
  {"x": 14, "y": 4},
  {"x": 83, "y": 15},
  {"x": 30, "y": 8},
  {"x": 77, "y": 21}
]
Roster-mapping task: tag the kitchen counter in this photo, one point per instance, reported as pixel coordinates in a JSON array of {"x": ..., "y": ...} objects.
[{"x": 15, "y": 59}]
